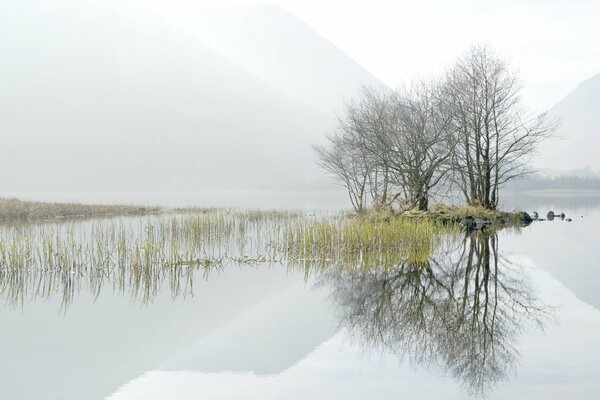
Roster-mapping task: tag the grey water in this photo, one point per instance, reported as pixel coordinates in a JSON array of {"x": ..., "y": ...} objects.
[{"x": 513, "y": 314}]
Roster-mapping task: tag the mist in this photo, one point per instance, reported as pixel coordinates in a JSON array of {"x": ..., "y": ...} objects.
[{"x": 103, "y": 101}]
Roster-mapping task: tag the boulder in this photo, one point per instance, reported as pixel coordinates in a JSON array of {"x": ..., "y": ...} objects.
[
  {"x": 482, "y": 223},
  {"x": 525, "y": 218},
  {"x": 468, "y": 223}
]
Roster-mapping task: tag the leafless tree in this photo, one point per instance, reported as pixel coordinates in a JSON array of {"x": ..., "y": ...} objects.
[
  {"x": 366, "y": 123},
  {"x": 403, "y": 144},
  {"x": 421, "y": 142},
  {"x": 346, "y": 163},
  {"x": 395, "y": 142},
  {"x": 495, "y": 136}
]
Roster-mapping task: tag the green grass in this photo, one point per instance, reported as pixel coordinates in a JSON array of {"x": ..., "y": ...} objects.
[{"x": 364, "y": 240}]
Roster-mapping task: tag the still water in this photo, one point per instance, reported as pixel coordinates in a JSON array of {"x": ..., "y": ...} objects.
[{"x": 509, "y": 315}]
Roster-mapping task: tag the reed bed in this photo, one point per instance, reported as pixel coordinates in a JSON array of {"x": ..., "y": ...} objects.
[
  {"x": 138, "y": 255},
  {"x": 19, "y": 210},
  {"x": 363, "y": 241}
]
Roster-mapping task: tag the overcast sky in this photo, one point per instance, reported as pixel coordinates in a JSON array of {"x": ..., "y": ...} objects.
[{"x": 555, "y": 44}]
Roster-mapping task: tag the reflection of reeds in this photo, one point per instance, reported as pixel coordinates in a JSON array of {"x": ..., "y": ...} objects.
[
  {"x": 137, "y": 255},
  {"x": 132, "y": 255}
]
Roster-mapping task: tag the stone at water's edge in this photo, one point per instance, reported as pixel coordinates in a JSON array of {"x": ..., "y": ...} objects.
[
  {"x": 468, "y": 223},
  {"x": 525, "y": 218}
]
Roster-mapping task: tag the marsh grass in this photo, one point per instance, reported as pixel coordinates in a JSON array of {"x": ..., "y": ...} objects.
[
  {"x": 19, "y": 210},
  {"x": 135, "y": 254},
  {"x": 363, "y": 241},
  {"x": 138, "y": 255}
]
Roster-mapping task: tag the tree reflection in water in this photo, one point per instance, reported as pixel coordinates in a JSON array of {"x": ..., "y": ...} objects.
[{"x": 461, "y": 310}]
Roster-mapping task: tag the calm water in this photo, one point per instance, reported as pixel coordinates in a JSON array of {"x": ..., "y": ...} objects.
[{"x": 512, "y": 315}]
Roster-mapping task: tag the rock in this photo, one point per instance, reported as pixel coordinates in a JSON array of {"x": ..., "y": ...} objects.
[
  {"x": 525, "y": 218},
  {"x": 568, "y": 220},
  {"x": 468, "y": 223},
  {"x": 482, "y": 223}
]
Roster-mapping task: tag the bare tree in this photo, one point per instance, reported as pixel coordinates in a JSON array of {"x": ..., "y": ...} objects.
[
  {"x": 496, "y": 137},
  {"x": 421, "y": 142},
  {"x": 469, "y": 128},
  {"x": 354, "y": 154},
  {"x": 366, "y": 124},
  {"x": 345, "y": 161},
  {"x": 391, "y": 145}
]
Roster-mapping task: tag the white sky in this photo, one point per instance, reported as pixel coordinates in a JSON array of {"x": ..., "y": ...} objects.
[{"x": 554, "y": 44}]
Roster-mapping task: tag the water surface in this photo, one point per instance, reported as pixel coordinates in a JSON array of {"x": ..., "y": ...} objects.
[{"x": 507, "y": 315}]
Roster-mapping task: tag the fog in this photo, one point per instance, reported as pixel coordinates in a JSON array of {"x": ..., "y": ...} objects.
[
  {"x": 104, "y": 99},
  {"x": 577, "y": 139},
  {"x": 114, "y": 101}
]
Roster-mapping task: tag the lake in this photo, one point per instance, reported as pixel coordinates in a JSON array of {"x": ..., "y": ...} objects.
[{"x": 512, "y": 314}]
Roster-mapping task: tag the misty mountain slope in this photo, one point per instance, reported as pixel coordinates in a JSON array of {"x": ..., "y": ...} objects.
[
  {"x": 93, "y": 100},
  {"x": 283, "y": 51},
  {"x": 578, "y": 141}
]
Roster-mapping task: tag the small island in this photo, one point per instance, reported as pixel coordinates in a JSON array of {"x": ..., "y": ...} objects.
[{"x": 464, "y": 134}]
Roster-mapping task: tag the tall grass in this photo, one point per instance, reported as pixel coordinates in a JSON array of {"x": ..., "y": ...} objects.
[
  {"x": 136, "y": 255},
  {"x": 363, "y": 241},
  {"x": 19, "y": 210}
]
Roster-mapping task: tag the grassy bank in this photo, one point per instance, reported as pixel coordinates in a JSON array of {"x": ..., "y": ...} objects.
[
  {"x": 369, "y": 239},
  {"x": 18, "y": 210},
  {"x": 444, "y": 215}
]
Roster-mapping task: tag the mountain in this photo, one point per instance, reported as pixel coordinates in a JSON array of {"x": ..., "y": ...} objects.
[
  {"x": 99, "y": 98},
  {"x": 578, "y": 136},
  {"x": 282, "y": 50}
]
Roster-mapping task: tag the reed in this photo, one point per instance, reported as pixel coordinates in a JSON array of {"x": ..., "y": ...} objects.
[
  {"x": 135, "y": 255},
  {"x": 363, "y": 241},
  {"x": 18, "y": 210}
]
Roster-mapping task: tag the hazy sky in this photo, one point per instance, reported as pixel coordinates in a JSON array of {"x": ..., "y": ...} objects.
[{"x": 555, "y": 44}]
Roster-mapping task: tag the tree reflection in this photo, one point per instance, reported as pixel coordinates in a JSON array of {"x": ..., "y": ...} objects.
[{"x": 460, "y": 310}]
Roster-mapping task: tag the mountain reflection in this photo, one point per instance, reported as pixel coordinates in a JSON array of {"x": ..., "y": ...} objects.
[{"x": 460, "y": 311}]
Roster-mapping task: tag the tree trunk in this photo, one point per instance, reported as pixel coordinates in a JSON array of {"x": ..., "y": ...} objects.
[{"x": 423, "y": 201}]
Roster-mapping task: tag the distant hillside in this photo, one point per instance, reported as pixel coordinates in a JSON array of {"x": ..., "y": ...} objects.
[
  {"x": 282, "y": 50},
  {"x": 563, "y": 182},
  {"x": 578, "y": 144},
  {"x": 100, "y": 99}
]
